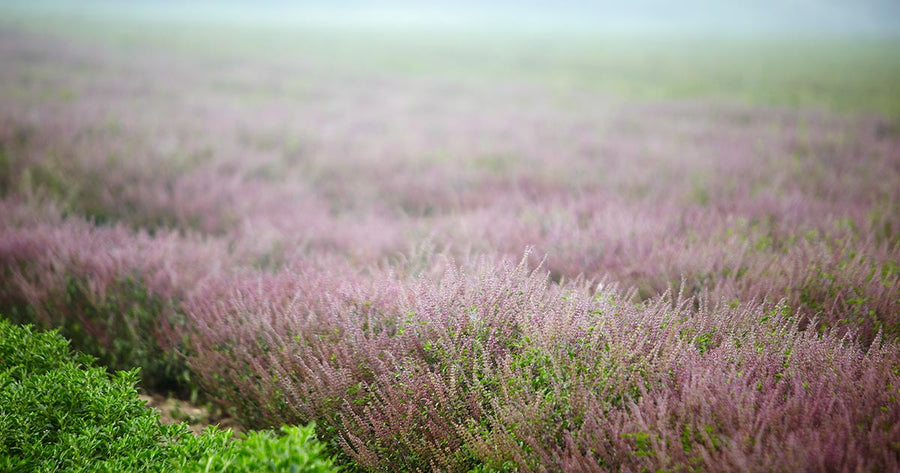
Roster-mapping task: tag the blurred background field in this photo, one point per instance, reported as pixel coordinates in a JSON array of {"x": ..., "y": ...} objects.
[{"x": 833, "y": 55}]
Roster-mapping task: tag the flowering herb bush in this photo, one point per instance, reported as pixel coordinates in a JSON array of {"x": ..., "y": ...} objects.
[
  {"x": 113, "y": 293},
  {"x": 497, "y": 367}
]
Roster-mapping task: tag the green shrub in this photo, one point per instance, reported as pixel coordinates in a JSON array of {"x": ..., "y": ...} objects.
[
  {"x": 296, "y": 450},
  {"x": 58, "y": 412}
]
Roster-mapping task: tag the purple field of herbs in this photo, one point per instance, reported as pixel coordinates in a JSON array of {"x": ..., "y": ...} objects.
[{"x": 476, "y": 256}]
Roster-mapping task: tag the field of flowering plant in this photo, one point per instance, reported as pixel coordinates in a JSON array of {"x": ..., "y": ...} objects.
[{"x": 458, "y": 262}]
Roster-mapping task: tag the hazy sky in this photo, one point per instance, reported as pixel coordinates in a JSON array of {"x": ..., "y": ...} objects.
[{"x": 768, "y": 17}]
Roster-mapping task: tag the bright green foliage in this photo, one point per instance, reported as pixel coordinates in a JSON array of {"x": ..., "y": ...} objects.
[
  {"x": 295, "y": 451},
  {"x": 58, "y": 412}
]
